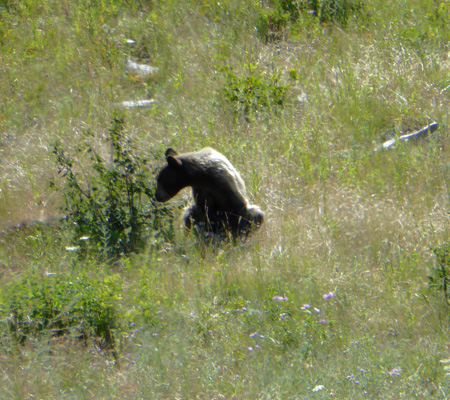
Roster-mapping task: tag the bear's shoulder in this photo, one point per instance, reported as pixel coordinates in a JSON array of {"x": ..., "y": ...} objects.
[
  {"x": 207, "y": 153},
  {"x": 217, "y": 167},
  {"x": 207, "y": 158}
]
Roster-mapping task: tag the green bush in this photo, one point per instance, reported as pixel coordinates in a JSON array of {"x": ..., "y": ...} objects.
[
  {"x": 338, "y": 11},
  {"x": 439, "y": 280},
  {"x": 56, "y": 305},
  {"x": 112, "y": 203},
  {"x": 253, "y": 92},
  {"x": 273, "y": 22}
]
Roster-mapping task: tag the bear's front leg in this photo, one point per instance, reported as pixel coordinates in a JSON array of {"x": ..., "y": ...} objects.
[
  {"x": 196, "y": 220},
  {"x": 190, "y": 217}
]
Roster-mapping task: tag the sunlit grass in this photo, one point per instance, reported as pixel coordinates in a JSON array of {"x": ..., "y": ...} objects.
[{"x": 247, "y": 320}]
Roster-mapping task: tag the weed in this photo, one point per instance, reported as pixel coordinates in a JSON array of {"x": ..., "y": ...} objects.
[
  {"x": 439, "y": 280},
  {"x": 82, "y": 306},
  {"x": 254, "y": 92},
  {"x": 338, "y": 11},
  {"x": 112, "y": 204},
  {"x": 294, "y": 327},
  {"x": 274, "y": 23}
]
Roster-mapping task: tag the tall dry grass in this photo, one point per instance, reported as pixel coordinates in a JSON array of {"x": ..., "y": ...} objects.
[{"x": 341, "y": 218}]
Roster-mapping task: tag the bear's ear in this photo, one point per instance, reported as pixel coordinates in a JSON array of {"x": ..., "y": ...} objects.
[
  {"x": 174, "y": 162},
  {"x": 171, "y": 152}
]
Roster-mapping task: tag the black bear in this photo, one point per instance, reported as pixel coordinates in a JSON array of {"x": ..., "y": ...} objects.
[{"x": 220, "y": 202}]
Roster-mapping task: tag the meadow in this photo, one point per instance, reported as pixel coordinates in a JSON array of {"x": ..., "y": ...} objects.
[{"x": 343, "y": 292}]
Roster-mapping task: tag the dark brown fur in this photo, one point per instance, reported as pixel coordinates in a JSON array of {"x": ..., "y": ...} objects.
[{"x": 218, "y": 191}]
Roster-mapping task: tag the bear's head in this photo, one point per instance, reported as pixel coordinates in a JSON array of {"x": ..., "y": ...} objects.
[{"x": 172, "y": 178}]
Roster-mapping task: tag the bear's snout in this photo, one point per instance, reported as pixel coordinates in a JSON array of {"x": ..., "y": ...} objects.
[{"x": 161, "y": 195}]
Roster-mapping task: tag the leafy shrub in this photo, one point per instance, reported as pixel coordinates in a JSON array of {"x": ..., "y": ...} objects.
[
  {"x": 273, "y": 22},
  {"x": 254, "y": 92},
  {"x": 112, "y": 203},
  {"x": 439, "y": 280},
  {"x": 80, "y": 305},
  {"x": 338, "y": 11}
]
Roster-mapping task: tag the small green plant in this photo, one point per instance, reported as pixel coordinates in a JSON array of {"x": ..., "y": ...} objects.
[
  {"x": 338, "y": 11},
  {"x": 112, "y": 204},
  {"x": 254, "y": 92},
  {"x": 273, "y": 23},
  {"x": 81, "y": 306},
  {"x": 295, "y": 327},
  {"x": 439, "y": 280}
]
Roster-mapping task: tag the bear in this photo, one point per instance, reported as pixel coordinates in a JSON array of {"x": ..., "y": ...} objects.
[{"x": 219, "y": 195}]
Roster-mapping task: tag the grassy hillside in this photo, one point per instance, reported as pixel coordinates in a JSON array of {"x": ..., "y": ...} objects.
[{"x": 330, "y": 299}]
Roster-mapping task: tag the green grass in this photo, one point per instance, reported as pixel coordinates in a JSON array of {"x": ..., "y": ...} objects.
[{"x": 199, "y": 321}]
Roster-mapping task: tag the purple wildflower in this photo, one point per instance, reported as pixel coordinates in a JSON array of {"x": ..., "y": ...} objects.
[
  {"x": 395, "y": 372},
  {"x": 305, "y": 306},
  {"x": 280, "y": 298},
  {"x": 328, "y": 295},
  {"x": 323, "y": 321}
]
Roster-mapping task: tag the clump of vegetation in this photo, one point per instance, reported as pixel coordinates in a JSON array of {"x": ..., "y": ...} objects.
[
  {"x": 274, "y": 21},
  {"x": 55, "y": 305},
  {"x": 338, "y": 11},
  {"x": 295, "y": 327},
  {"x": 254, "y": 92},
  {"x": 112, "y": 204},
  {"x": 439, "y": 280}
]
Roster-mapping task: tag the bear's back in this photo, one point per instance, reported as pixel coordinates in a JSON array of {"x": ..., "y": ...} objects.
[{"x": 218, "y": 166}]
